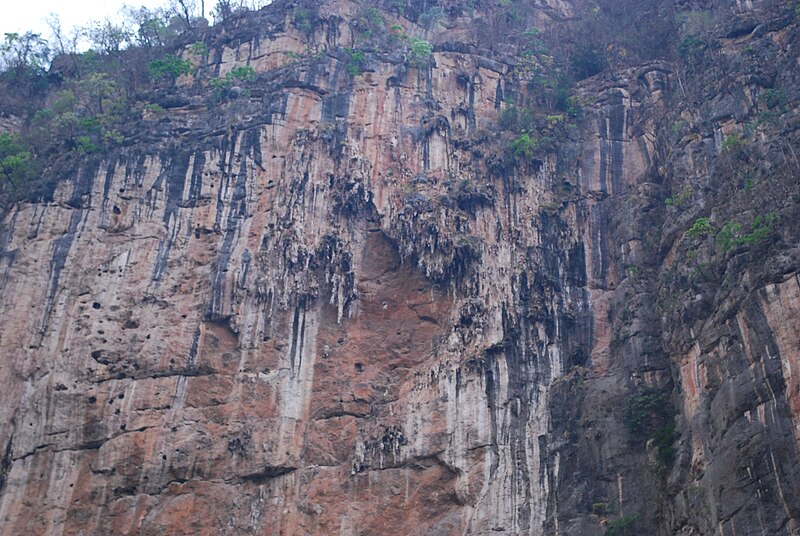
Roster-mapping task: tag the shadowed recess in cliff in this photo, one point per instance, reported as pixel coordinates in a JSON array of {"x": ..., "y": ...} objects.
[{"x": 406, "y": 275}]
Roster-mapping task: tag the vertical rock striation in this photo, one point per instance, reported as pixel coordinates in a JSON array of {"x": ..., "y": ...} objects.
[{"x": 336, "y": 305}]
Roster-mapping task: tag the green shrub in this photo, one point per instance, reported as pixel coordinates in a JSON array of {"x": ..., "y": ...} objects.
[
  {"x": 732, "y": 143},
  {"x": 199, "y": 49},
  {"x": 222, "y": 86},
  {"x": 154, "y": 108},
  {"x": 244, "y": 73},
  {"x": 731, "y": 234},
  {"x": 524, "y": 146},
  {"x": 600, "y": 508},
  {"x": 302, "y": 20},
  {"x": 373, "y": 16},
  {"x": 646, "y": 411},
  {"x": 532, "y": 41},
  {"x": 17, "y": 165},
  {"x": 85, "y": 144},
  {"x": 621, "y": 526},
  {"x": 571, "y": 105},
  {"x": 679, "y": 200},
  {"x": 420, "y": 52},
  {"x": 169, "y": 67},
  {"x": 517, "y": 119},
  {"x": 765, "y": 221},
  {"x": 399, "y": 6},
  {"x": 728, "y": 235},
  {"x": 356, "y": 61},
  {"x": 702, "y": 227},
  {"x": 633, "y": 271},
  {"x": 663, "y": 438},
  {"x": 368, "y": 22}
]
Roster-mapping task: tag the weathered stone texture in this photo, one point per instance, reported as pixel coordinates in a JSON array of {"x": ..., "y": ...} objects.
[{"x": 325, "y": 308}]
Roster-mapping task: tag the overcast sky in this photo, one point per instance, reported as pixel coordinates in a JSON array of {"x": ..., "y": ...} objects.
[{"x": 24, "y": 15}]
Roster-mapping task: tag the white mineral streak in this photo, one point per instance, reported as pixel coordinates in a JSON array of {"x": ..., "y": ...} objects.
[{"x": 174, "y": 346}]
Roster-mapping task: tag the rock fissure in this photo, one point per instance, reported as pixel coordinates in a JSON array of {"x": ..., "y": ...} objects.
[{"x": 417, "y": 267}]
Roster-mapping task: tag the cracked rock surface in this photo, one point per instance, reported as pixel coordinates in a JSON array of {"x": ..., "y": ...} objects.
[{"x": 332, "y": 307}]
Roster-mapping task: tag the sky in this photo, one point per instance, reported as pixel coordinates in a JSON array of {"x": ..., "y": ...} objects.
[{"x": 28, "y": 15}]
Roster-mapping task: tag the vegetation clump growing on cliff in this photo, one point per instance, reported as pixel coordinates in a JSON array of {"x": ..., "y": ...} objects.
[
  {"x": 622, "y": 526},
  {"x": 649, "y": 416},
  {"x": 420, "y": 52},
  {"x": 761, "y": 229},
  {"x": 169, "y": 67},
  {"x": 224, "y": 85},
  {"x": 24, "y": 59},
  {"x": 17, "y": 165},
  {"x": 525, "y": 146},
  {"x": 702, "y": 227},
  {"x": 732, "y": 143},
  {"x": 691, "y": 48},
  {"x": 356, "y": 61}
]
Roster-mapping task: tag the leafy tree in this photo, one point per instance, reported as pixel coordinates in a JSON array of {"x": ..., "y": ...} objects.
[
  {"x": 105, "y": 37},
  {"x": 87, "y": 117},
  {"x": 223, "y": 86},
  {"x": 64, "y": 43},
  {"x": 190, "y": 12},
  {"x": 169, "y": 67},
  {"x": 28, "y": 51},
  {"x": 17, "y": 165},
  {"x": 356, "y": 61},
  {"x": 531, "y": 41},
  {"x": 524, "y": 146},
  {"x": 199, "y": 49},
  {"x": 647, "y": 410},
  {"x": 153, "y": 29},
  {"x": 701, "y": 228},
  {"x": 23, "y": 60},
  {"x": 732, "y": 233},
  {"x": 420, "y": 52},
  {"x": 227, "y": 8}
]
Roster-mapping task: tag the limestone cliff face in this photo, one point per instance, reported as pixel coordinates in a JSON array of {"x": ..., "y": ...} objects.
[{"x": 336, "y": 305}]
